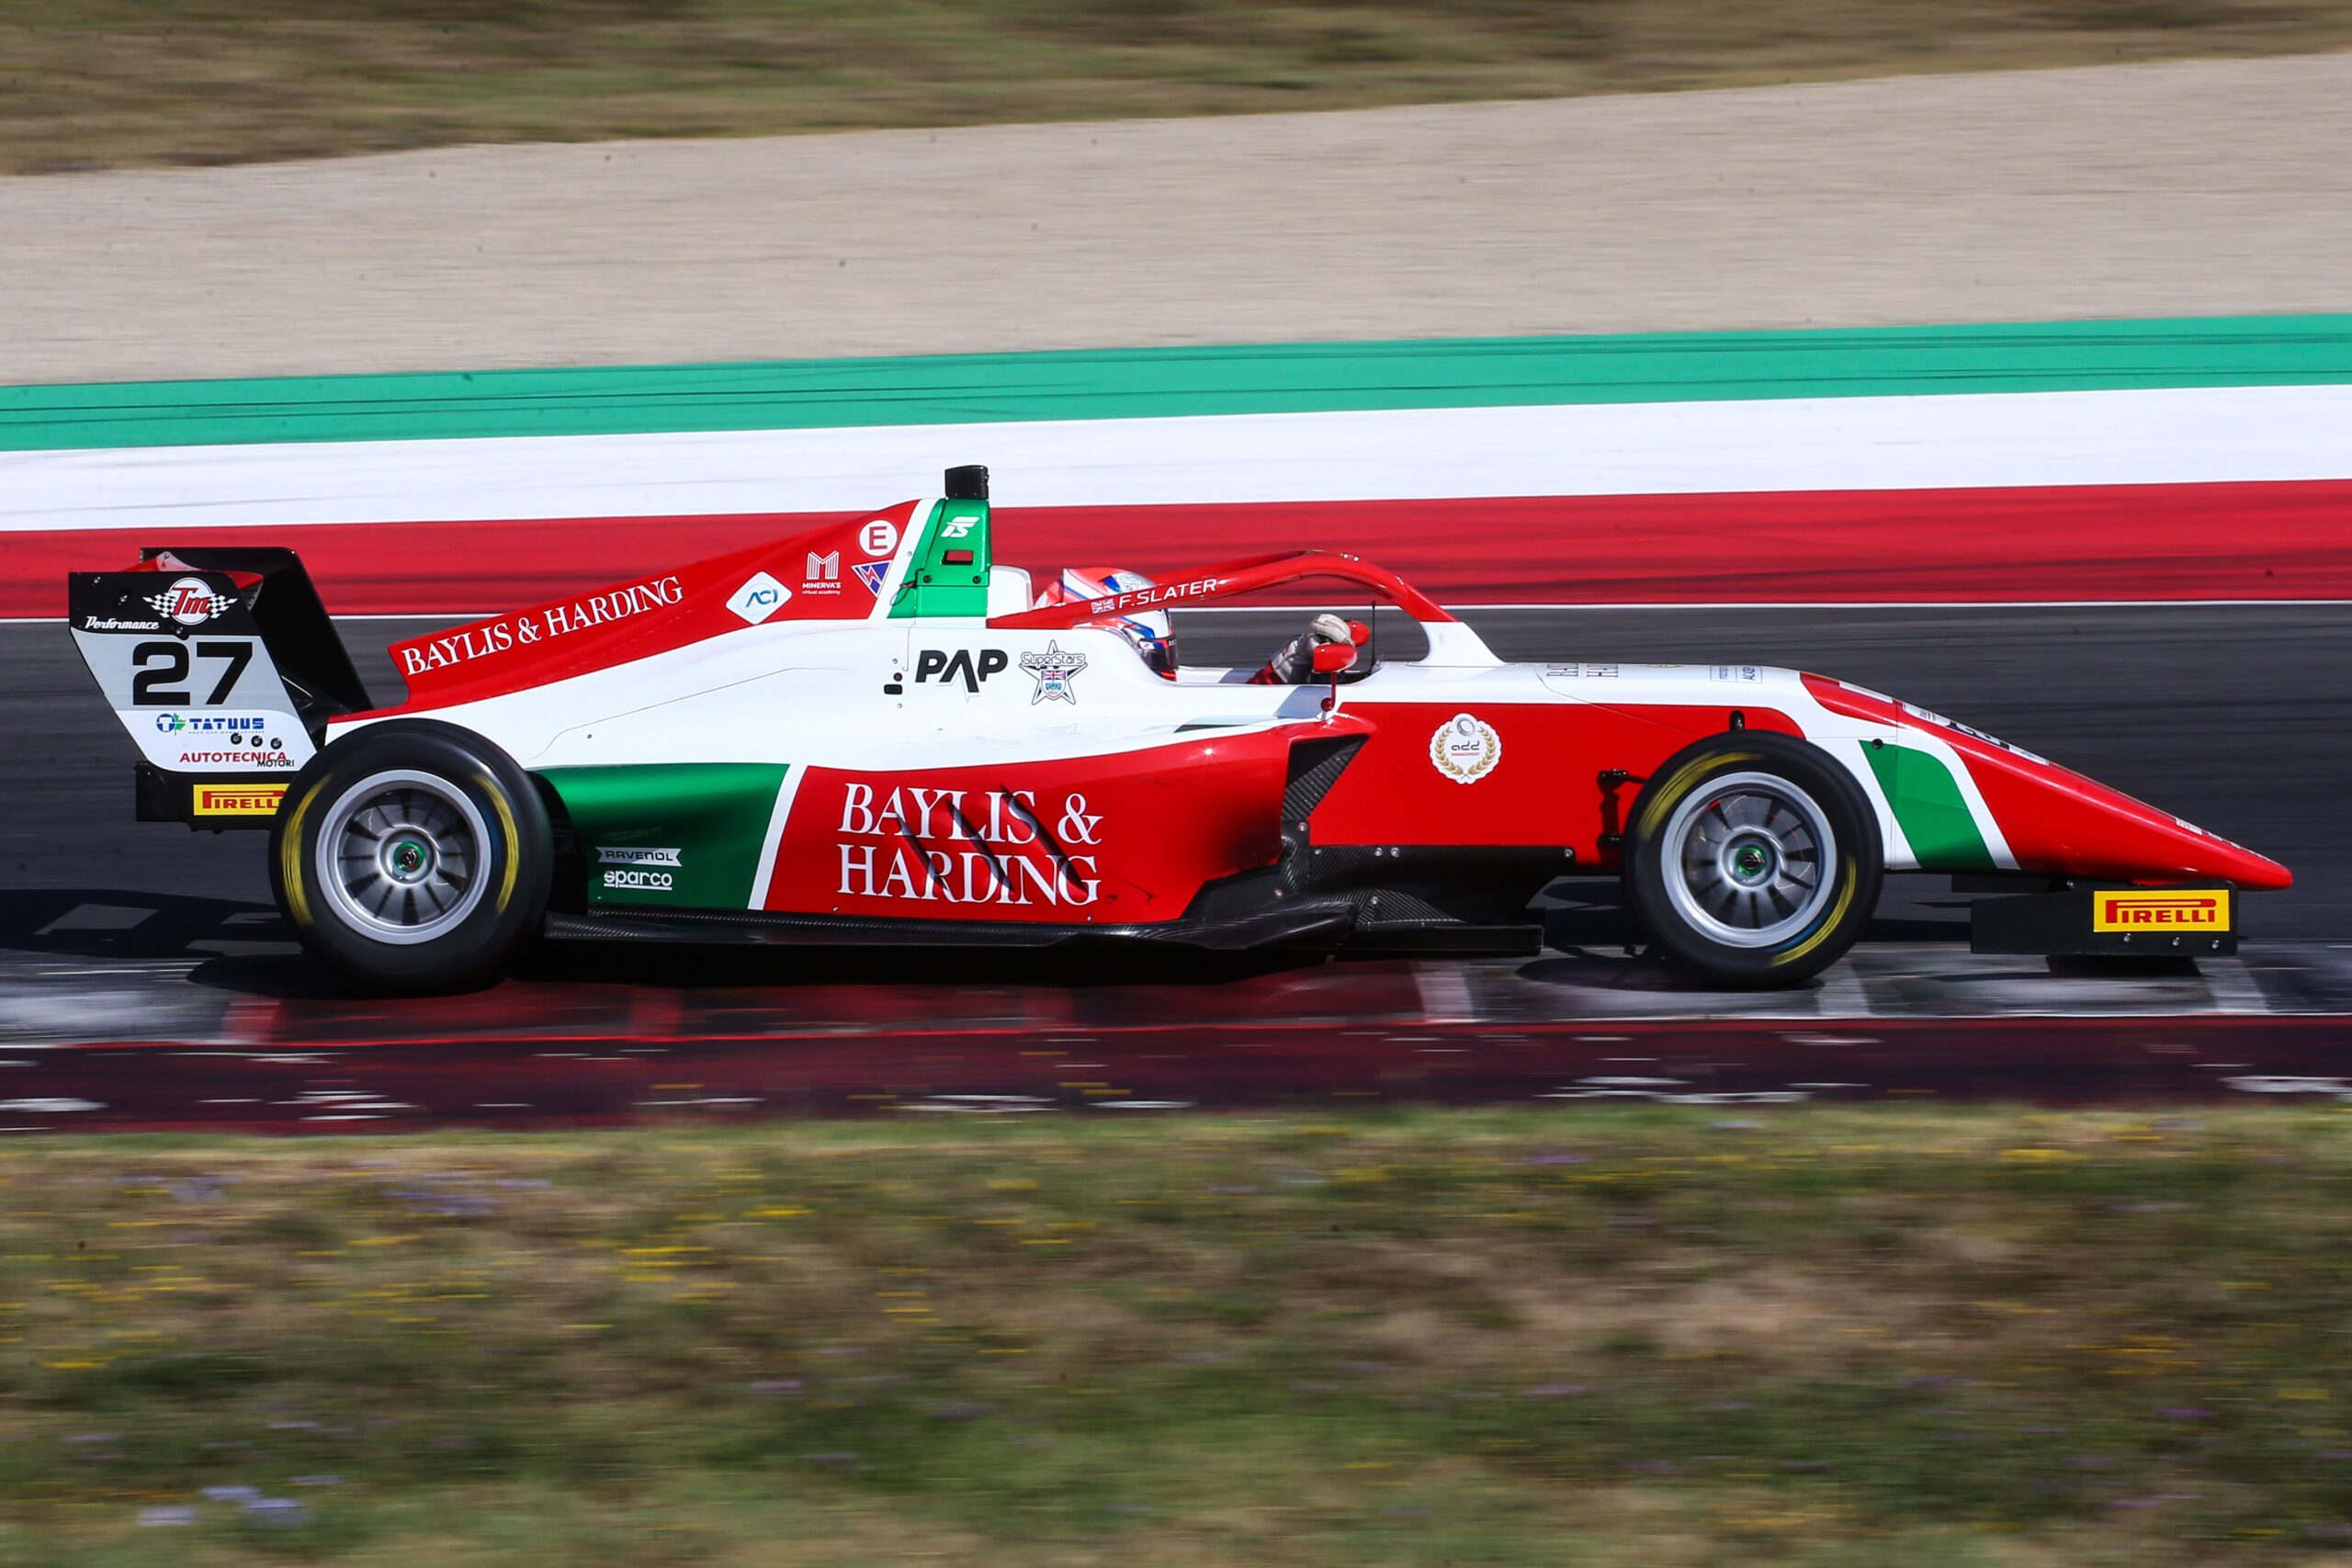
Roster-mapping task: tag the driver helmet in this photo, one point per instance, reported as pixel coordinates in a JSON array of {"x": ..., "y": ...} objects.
[{"x": 1152, "y": 635}]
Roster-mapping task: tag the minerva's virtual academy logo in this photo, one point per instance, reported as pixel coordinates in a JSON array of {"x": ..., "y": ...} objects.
[{"x": 1054, "y": 671}]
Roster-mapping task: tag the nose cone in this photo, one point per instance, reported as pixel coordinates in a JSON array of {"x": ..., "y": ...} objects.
[{"x": 2057, "y": 819}]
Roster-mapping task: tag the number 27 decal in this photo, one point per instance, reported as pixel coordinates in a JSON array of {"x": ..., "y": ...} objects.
[{"x": 161, "y": 662}]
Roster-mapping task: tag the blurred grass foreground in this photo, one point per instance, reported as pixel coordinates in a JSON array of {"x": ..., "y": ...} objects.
[
  {"x": 89, "y": 84},
  {"x": 1605, "y": 1336}
]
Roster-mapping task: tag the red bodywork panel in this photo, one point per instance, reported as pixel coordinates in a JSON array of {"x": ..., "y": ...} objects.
[
  {"x": 814, "y": 576},
  {"x": 1127, "y": 838},
  {"x": 1544, "y": 789},
  {"x": 2057, "y": 820}
]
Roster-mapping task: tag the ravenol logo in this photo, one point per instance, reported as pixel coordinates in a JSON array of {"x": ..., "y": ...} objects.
[
  {"x": 238, "y": 800},
  {"x": 2174, "y": 909}
]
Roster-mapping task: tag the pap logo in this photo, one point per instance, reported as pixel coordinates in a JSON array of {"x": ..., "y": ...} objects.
[{"x": 939, "y": 664}]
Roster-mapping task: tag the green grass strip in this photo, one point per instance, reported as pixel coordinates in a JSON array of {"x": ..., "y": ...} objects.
[
  {"x": 1809, "y": 1335},
  {"x": 1160, "y": 382}
]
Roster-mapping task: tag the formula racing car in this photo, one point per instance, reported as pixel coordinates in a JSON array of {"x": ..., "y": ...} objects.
[{"x": 875, "y": 732}]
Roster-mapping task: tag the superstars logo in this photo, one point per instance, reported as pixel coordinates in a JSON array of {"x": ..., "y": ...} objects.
[
  {"x": 1053, "y": 670},
  {"x": 189, "y": 601}
]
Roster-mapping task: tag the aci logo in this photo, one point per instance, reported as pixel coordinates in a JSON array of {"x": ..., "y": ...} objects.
[{"x": 761, "y": 597}]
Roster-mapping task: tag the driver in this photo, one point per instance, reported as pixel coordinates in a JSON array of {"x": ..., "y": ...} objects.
[{"x": 1155, "y": 640}]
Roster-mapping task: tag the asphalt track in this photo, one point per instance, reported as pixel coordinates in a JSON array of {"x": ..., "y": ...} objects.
[{"x": 144, "y": 980}]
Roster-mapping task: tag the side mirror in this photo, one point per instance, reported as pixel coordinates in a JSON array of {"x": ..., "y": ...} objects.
[{"x": 1330, "y": 657}]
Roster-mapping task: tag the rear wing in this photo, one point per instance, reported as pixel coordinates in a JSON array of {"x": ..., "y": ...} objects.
[{"x": 223, "y": 669}]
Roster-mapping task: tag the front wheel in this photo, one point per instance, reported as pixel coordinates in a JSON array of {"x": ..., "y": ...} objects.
[
  {"x": 413, "y": 856},
  {"x": 1754, "y": 859}
]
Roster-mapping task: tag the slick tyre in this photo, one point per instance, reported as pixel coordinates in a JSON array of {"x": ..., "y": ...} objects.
[
  {"x": 1753, "y": 858},
  {"x": 413, "y": 856}
]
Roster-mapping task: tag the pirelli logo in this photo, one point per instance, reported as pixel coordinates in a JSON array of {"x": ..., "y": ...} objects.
[
  {"x": 2172, "y": 909},
  {"x": 239, "y": 800}
]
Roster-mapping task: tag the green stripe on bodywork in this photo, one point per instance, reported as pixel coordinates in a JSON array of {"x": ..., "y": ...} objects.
[
  {"x": 1930, "y": 809},
  {"x": 985, "y": 388},
  {"x": 934, "y": 586},
  {"x": 714, "y": 815}
]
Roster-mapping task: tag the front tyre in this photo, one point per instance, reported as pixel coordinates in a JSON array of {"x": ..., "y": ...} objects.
[
  {"x": 1753, "y": 858},
  {"x": 413, "y": 856}
]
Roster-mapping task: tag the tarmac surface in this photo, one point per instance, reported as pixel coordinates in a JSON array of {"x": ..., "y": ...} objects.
[{"x": 145, "y": 981}]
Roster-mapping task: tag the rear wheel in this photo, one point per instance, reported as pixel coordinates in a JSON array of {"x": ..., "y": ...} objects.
[
  {"x": 413, "y": 856},
  {"x": 1753, "y": 858}
]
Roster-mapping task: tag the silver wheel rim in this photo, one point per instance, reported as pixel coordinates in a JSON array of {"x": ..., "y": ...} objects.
[
  {"x": 1749, "y": 860},
  {"x": 400, "y": 855}
]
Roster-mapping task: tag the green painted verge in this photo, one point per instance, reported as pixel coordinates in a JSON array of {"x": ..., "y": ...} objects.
[
  {"x": 985, "y": 388},
  {"x": 1927, "y": 805},
  {"x": 711, "y": 817}
]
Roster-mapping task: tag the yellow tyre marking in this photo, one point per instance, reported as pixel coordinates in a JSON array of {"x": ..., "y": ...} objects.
[
  {"x": 290, "y": 858},
  {"x": 1672, "y": 791},
  {"x": 1837, "y": 913},
  {"x": 513, "y": 841}
]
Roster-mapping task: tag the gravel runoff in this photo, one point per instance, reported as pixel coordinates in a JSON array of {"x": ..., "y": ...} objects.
[{"x": 2180, "y": 188}]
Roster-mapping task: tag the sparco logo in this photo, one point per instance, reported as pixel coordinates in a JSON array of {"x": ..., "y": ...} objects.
[
  {"x": 940, "y": 665},
  {"x": 651, "y": 881}
]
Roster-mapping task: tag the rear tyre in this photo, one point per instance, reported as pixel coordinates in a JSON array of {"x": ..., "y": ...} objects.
[
  {"x": 1753, "y": 858},
  {"x": 413, "y": 856}
]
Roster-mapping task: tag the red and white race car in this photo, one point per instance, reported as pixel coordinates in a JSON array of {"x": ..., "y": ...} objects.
[{"x": 874, "y": 733}]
